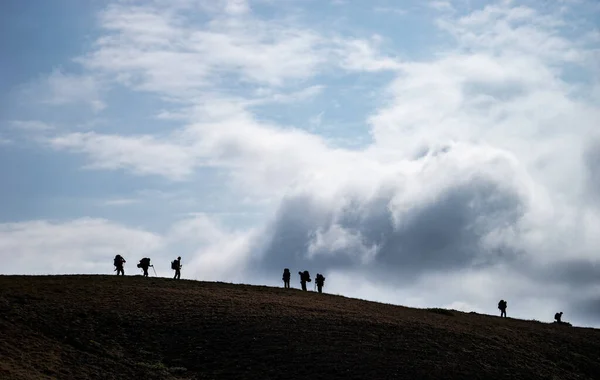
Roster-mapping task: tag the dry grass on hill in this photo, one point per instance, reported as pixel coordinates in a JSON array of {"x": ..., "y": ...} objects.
[{"x": 108, "y": 327}]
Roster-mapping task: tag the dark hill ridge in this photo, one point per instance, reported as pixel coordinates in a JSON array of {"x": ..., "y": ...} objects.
[{"x": 109, "y": 327}]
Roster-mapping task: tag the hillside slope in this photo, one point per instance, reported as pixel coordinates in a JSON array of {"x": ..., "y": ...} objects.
[{"x": 108, "y": 327}]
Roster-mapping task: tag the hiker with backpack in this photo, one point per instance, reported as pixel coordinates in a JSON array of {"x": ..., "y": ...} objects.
[
  {"x": 320, "y": 281},
  {"x": 304, "y": 278},
  {"x": 558, "y": 316},
  {"x": 176, "y": 266},
  {"x": 145, "y": 264},
  {"x": 118, "y": 263},
  {"x": 502, "y": 306},
  {"x": 286, "y": 278}
]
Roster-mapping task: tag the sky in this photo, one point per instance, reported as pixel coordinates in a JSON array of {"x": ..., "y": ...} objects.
[{"x": 421, "y": 153}]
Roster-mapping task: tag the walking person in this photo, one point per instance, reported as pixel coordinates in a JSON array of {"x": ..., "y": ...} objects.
[
  {"x": 118, "y": 263},
  {"x": 176, "y": 266},
  {"x": 502, "y": 306},
  {"x": 144, "y": 264}
]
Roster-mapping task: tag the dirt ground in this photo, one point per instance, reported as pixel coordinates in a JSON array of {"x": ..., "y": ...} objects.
[{"x": 109, "y": 327}]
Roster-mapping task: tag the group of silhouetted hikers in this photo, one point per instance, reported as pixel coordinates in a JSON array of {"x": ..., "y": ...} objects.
[
  {"x": 144, "y": 264},
  {"x": 304, "y": 278}
]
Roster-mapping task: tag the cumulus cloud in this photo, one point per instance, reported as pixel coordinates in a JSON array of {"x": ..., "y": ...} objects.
[{"x": 442, "y": 213}]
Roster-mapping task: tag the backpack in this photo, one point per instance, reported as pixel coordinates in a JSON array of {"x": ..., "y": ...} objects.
[
  {"x": 117, "y": 262},
  {"x": 306, "y": 276},
  {"x": 174, "y": 265},
  {"x": 145, "y": 262}
]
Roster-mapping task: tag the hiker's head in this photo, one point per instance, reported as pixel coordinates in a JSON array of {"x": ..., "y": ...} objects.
[{"x": 178, "y": 257}]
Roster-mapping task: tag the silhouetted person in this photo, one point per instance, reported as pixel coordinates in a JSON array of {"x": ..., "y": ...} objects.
[
  {"x": 118, "y": 263},
  {"x": 502, "y": 306},
  {"x": 558, "y": 316},
  {"x": 320, "y": 281},
  {"x": 144, "y": 264},
  {"x": 176, "y": 266},
  {"x": 304, "y": 278},
  {"x": 286, "y": 278}
]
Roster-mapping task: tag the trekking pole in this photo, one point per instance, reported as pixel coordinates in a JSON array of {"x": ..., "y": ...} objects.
[{"x": 155, "y": 275}]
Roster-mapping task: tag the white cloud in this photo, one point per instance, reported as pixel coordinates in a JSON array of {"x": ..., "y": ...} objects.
[
  {"x": 142, "y": 154},
  {"x": 237, "y": 7},
  {"x": 392, "y": 10},
  {"x": 265, "y": 95},
  {"x": 441, "y": 5},
  {"x": 121, "y": 201},
  {"x": 59, "y": 89},
  {"x": 31, "y": 125},
  {"x": 161, "y": 51},
  {"x": 364, "y": 55}
]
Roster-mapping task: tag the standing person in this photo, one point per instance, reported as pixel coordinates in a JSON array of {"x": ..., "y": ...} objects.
[
  {"x": 176, "y": 266},
  {"x": 304, "y": 278},
  {"x": 286, "y": 278},
  {"x": 118, "y": 263},
  {"x": 320, "y": 281},
  {"x": 502, "y": 306},
  {"x": 144, "y": 264}
]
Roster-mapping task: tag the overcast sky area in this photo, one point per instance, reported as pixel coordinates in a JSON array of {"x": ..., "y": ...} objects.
[{"x": 422, "y": 153}]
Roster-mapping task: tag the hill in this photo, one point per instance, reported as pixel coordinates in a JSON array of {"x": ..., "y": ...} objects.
[{"x": 108, "y": 327}]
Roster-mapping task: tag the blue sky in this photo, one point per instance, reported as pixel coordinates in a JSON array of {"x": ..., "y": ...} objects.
[{"x": 394, "y": 145}]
